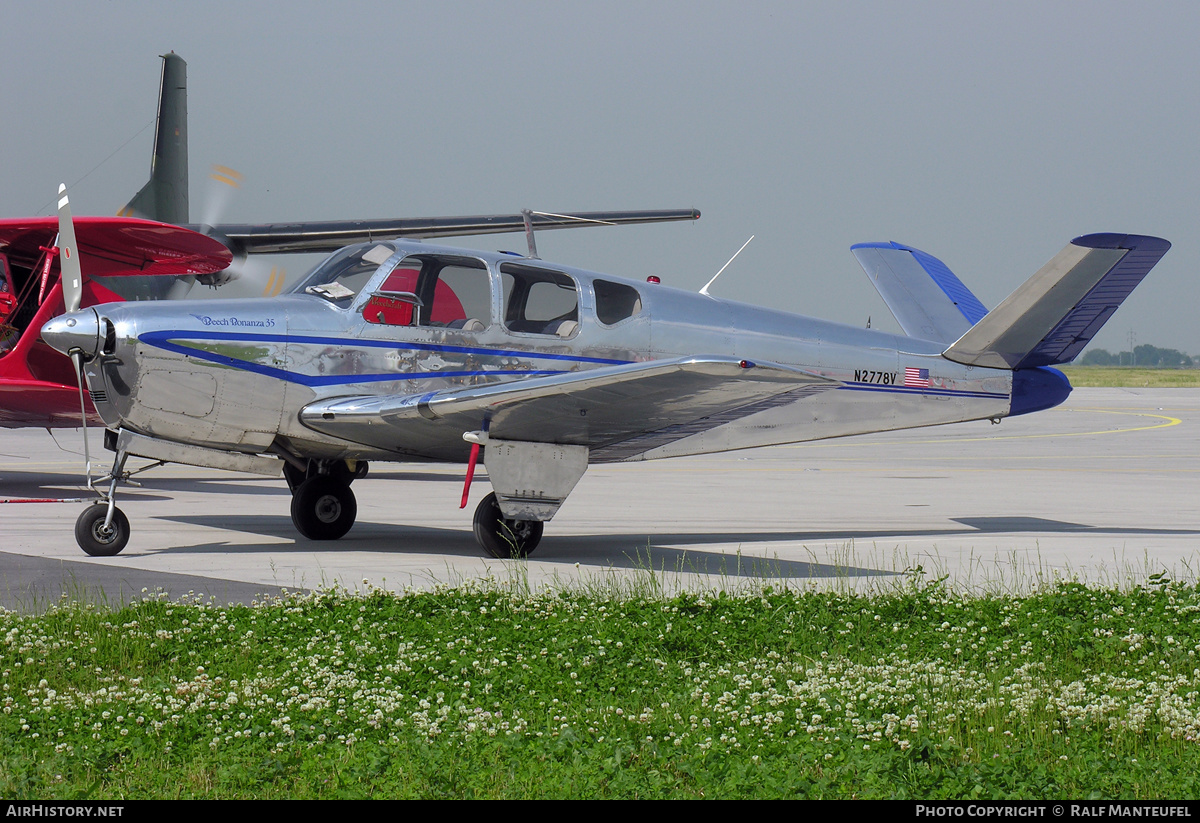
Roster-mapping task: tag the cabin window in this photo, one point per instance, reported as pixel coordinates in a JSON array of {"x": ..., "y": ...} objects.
[
  {"x": 615, "y": 301},
  {"x": 433, "y": 291},
  {"x": 538, "y": 301}
]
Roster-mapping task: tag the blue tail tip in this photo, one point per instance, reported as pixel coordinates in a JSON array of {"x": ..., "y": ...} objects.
[{"x": 1037, "y": 389}]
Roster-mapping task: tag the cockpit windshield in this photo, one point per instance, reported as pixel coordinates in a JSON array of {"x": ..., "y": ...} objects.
[{"x": 342, "y": 275}]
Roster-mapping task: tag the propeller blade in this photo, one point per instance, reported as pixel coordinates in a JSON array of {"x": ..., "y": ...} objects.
[
  {"x": 222, "y": 183},
  {"x": 68, "y": 256}
]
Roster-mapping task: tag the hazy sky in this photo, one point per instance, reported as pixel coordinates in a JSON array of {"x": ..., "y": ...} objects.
[{"x": 988, "y": 134}]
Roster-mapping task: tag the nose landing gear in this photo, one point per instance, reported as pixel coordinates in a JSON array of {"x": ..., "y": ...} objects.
[{"x": 102, "y": 530}]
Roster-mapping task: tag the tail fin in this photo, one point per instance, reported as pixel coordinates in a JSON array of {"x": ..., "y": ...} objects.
[
  {"x": 165, "y": 197},
  {"x": 924, "y": 296},
  {"x": 1054, "y": 314}
]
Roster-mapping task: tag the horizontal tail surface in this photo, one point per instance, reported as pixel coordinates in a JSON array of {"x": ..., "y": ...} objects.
[
  {"x": 921, "y": 292},
  {"x": 1051, "y": 317}
]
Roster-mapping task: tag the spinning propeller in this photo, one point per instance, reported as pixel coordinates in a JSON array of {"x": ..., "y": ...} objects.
[{"x": 223, "y": 182}]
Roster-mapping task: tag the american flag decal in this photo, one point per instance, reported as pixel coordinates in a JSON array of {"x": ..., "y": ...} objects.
[{"x": 917, "y": 378}]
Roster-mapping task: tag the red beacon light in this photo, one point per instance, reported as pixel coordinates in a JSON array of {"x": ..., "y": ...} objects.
[{"x": 653, "y": 279}]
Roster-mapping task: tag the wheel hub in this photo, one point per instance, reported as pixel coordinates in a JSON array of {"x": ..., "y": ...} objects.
[{"x": 328, "y": 508}]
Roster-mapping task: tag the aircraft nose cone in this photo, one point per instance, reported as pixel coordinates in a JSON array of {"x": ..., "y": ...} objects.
[{"x": 75, "y": 332}]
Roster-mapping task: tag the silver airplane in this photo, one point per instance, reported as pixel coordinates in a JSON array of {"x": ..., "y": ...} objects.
[{"x": 407, "y": 351}]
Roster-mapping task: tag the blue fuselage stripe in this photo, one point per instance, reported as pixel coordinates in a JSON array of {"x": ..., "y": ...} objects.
[
  {"x": 876, "y": 387},
  {"x": 164, "y": 340},
  {"x": 155, "y": 337}
]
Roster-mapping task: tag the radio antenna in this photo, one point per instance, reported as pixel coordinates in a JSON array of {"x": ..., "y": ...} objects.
[{"x": 704, "y": 290}]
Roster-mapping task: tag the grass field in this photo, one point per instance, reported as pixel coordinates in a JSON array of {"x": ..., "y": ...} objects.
[
  {"x": 495, "y": 691},
  {"x": 1110, "y": 377}
]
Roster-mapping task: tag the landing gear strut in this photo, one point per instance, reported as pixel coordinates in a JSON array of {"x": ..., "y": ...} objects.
[
  {"x": 344, "y": 471},
  {"x": 102, "y": 530},
  {"x": 501, "y": 537}
]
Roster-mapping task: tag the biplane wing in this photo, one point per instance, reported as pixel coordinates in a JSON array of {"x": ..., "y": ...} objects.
[{"x": 116, "y": 246}]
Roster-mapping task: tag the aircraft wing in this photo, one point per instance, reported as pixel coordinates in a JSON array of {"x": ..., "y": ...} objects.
[
  {"x": 618, "y": 412},
  {"x": 331, "y": 235},
  {"x": 111, "y": 246}
]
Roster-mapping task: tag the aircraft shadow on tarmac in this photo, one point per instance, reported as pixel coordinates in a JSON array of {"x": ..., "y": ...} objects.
[
  {"x": 58, "y": 486},
  {"x": 224, "y": 484},
  {"x": 1017, "y": 525},
  {"x": 63, "y": 486},
  {"x": 42, "y": 486},
  {"x": 661, "y": 552},
  {"x": 629, "y": 551}
]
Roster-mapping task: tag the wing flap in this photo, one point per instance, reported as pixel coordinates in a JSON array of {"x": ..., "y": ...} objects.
[
  {"x": 599, "y": 408},
  {"x": 1054, "y": 314}
]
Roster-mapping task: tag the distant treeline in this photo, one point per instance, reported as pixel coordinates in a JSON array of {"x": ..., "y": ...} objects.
[{"x": 1145, "y": 356}]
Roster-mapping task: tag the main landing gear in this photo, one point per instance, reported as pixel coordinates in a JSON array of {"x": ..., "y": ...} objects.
[
  {"x": 323, "y": 507},
  {"x": 501, "y": 537}
]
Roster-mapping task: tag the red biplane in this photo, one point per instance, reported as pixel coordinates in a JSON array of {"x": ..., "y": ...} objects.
[{"x": 38, "y": 386}]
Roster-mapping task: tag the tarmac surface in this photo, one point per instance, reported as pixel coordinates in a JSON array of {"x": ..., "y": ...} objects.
[{"x": 1105, "y": 487}]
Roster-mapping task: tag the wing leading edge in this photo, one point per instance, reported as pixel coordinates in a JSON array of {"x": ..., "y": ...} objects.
[{"x": 616, "y": 411}]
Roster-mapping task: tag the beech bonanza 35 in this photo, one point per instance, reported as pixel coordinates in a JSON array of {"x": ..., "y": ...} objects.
[{"x": 406, "y": 351}]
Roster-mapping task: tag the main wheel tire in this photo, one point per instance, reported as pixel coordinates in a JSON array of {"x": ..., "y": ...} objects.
[
  {"x": 94, "y": 538},
  {"x": 501, "y": 537},
  {"x": 323, "y": 509}
]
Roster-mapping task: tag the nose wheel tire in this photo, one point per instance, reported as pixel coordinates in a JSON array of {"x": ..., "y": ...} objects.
[
  {"x": 501, "y": 537},
  {"x": 97, "y": 539},
  {"x": 323, "y": 508}
]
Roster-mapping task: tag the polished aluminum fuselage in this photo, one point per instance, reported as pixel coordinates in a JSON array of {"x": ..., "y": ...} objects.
[{"x": 235, "y": 375}]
